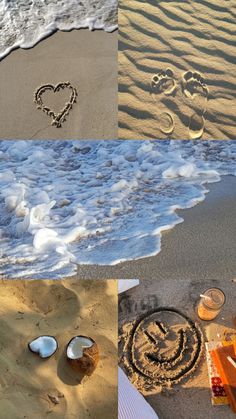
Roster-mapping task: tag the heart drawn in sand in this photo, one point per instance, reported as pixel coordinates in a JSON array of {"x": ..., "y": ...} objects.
[{"x": 57, "y": 117}]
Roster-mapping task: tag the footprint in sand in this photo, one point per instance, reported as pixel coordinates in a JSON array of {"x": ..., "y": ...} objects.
[
  {"x": 193, "y": 85},
  {"x": 195, "y": 89},
  {"x": 196, "y": 126},
  {"x": 163, "y": 82},
  {"x": 166, "y": 122}
]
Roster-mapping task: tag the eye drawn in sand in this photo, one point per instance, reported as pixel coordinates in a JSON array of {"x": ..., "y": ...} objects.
[
  {"x": 57, "y": 117},
  {"x": 163, "y": 82},
  {"x": 166, "y": 121},
  {"x": 162, "y": 348}
]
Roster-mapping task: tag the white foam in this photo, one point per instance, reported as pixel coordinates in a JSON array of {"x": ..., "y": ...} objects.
[
  {"x": 65, "y": 203},
  {"x": 24, "y": 23}
]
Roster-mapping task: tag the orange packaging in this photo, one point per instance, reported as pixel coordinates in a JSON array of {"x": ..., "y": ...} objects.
[{"x": 227, "y": 370}]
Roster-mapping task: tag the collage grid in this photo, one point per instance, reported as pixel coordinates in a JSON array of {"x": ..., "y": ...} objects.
[{"x": 117, "y": 209}]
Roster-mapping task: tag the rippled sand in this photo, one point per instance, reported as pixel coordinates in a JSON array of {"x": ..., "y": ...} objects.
[{"x": 177, "y": 69}]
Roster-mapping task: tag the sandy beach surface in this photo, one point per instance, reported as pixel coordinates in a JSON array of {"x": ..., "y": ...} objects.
[
  {"x": 202, "y": 247},
  {"x": 88, "y": 61},
  {"x": 36, "y": 388},
  {"x": 188, "y": 47}
]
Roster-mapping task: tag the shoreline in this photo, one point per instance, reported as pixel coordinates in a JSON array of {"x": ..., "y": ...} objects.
[
  {"x": 51, "y": 33},
  {"x": 206, "y": 237}
]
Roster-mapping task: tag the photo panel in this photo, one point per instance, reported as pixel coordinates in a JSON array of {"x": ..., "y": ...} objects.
[
  {"x": 58, "y": 63},
  {"x": 175, "y": 346},
  {"x": 176, "y": 69},
  {"x": 58, "y": 353}
]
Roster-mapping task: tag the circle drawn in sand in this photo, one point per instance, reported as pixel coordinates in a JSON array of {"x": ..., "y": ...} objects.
[
  {"x": 196, "y": 126},
  {"x": 165, "y": 347},
  {"x": 166, "y": 123},
  {"x": 57, "y": 117}
]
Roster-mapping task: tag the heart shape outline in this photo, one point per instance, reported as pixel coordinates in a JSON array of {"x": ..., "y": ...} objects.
[{"x": 60, "y": 117}]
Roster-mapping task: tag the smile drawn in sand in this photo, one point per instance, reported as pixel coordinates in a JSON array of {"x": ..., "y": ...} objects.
[
  {"x": 59, "y": 117},
  {"x": 163, "y": 347},
  {"x": 193, "y": 87}
]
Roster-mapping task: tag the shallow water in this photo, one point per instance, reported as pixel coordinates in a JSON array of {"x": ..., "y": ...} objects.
[
  {"x": 23, "y": 23},
  {"x": 65, "y": 203}
]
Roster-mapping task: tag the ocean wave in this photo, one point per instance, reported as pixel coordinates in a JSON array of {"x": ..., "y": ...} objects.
[
  {"x": 23, "y": 23},
  {"x": 65, "y": 203}
]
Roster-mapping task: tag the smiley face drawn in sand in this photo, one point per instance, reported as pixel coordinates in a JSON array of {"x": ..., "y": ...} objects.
[
  {"x": 57, "y": 117},
  {"x": 164, "y": 347}
]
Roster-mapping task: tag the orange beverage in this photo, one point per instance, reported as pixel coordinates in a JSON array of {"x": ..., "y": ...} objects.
[{"x": 210, "y": 304}]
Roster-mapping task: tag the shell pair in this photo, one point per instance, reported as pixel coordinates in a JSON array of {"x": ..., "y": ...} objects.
[{"x": 81, "y": 352}]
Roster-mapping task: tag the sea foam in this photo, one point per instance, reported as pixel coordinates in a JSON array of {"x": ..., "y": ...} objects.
[
  {"x": 65, "y": 203},
  {"x": 23, "y": 23}
]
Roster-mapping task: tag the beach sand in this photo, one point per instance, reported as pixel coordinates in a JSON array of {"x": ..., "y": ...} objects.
[
  {"x": 202, "y": 247},
  {"x": 88, "y": 60},
  {"x": 196, "y": 36},
  {"x": 64, "y": 309}
]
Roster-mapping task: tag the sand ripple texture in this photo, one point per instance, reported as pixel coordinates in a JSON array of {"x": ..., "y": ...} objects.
[
  {"x": 23, "y": 23},
  {"x": 65, "y": 203},
  {"x": 177, "y": 69}
]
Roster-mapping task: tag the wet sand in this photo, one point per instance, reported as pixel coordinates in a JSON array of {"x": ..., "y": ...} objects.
[
  {"x": 183, "y": 36},
  {"x": 88, "y": 60},
  {"x": 36, "y": 388},
  {"x": 202, "y": 247}
]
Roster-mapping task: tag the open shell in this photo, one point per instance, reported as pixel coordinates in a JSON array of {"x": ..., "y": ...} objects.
[
  {"x": 82, "y": 354},
  {"x": 44, "y": 346}
]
